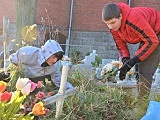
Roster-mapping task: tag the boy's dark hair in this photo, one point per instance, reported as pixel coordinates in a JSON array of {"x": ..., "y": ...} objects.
[
  {"x": 59, "y": 55},
  {"x": 110, "y": 11}
]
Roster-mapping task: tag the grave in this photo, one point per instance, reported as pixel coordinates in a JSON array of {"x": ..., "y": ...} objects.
[
  {"x": 126, "y": 84},
  {"x": 132, "y": 84},
  {"x": 90, "y": 58},
  {"x": 105, "y": 61}
]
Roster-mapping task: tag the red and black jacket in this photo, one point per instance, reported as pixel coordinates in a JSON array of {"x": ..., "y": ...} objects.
[{"x": 139, "y": 25}]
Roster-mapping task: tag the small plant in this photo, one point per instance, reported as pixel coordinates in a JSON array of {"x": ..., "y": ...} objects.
[
  {"x": 98, "y": 103},
  {"x": 15, "y": 72},
  {"x": 97, "y": 61},
  {"x": 76, "y": 57}
]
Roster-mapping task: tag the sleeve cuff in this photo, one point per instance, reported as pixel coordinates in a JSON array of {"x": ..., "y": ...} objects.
[
  {"x": 136, "y": 59},
  {"x": 124, "y": 59}
]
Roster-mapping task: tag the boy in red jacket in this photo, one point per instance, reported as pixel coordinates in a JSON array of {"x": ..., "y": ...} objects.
[{"x": 135, "y": 25}]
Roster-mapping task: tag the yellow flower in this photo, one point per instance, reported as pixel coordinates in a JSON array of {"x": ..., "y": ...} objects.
[
  {"x": 38, "y": 109},
  {"x": 2, "y": 86}
]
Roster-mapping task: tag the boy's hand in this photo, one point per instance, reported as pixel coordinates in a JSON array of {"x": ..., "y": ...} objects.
[
  {"x": 127, "y": 66},
  {"x": 123, "y": 70}
]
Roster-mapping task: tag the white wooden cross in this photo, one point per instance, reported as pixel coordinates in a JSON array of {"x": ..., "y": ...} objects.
[
  {"x": 62, "y": 93},
  {"x": 6, "y": 41}
]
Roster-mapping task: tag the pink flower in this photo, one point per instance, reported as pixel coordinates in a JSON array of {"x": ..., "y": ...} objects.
[
  {"x": 46, "y": 111},
  {"x": 40, "y": 95},
  {"x": 33, "y": 85},
  {"x": 25, "y": 85},
  {"x": 39, "y": 84}
]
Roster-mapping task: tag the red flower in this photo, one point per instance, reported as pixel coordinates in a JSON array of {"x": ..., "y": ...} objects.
[
  {"x": 40, "y": 95},
  {"x": 6, "y": 96}
]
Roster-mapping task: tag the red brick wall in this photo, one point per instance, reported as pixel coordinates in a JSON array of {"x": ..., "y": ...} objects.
[
  {"x": 57, "y": 11},
  {"x": 7, "y": 8},
  {"x": 86, "y": 13},
  {"x": 147, "y": 3}
]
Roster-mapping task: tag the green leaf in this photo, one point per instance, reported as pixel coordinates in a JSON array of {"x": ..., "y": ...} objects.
[{"x": 13, "y": 106}]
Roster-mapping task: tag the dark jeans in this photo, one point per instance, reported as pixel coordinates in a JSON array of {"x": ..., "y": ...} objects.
[{"x": 148, "y": 67}]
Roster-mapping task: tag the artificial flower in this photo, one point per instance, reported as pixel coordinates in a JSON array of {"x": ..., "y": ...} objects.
[
  {"x": 2, "y": 86},
  {"x": 46, "y": 111},
  {"x": 111, "y": 68},
  {"x": 40, "y": 95},
  {"x": 6, "y": 96},
  {"x": 21, "y": 82},
  {"x": 131, "y": 74},
  {"x": 39, "y": 84},
  {"x": 33, "y": 85},
  {"x": 26, "y": 89},
  {"x": 25, "y": 85},
  {"x": 38, "y": 109}
]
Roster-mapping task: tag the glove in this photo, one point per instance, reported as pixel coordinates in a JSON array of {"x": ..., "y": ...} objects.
[
  {"x": 125, "y": 59},
  {"x": 127, "y": 66}
]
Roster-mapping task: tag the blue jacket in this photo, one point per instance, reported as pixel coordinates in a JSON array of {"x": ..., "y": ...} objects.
[{"x": 31, "y": 59}]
